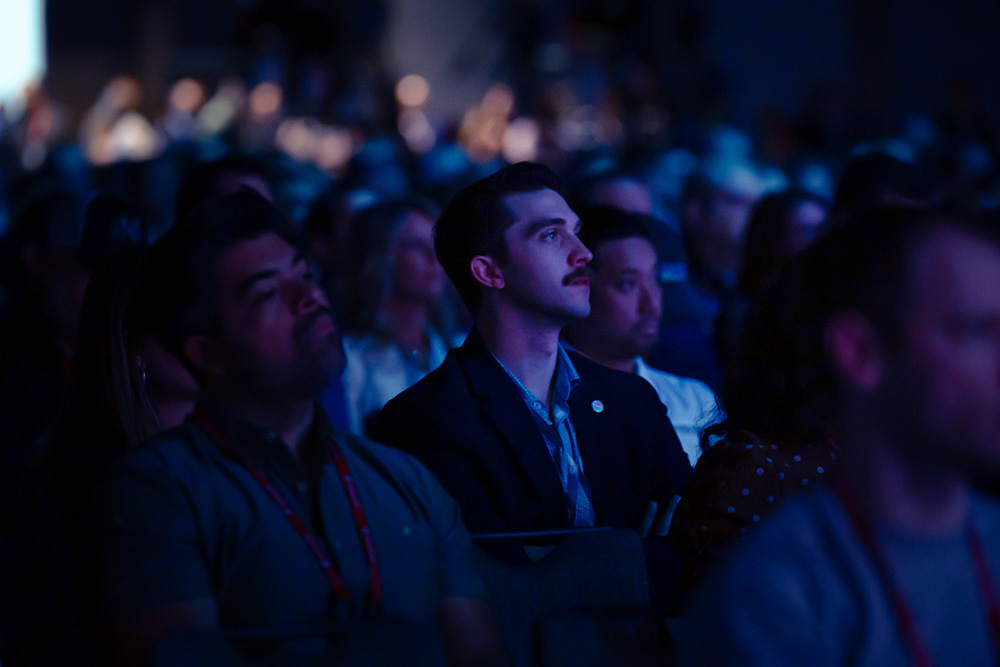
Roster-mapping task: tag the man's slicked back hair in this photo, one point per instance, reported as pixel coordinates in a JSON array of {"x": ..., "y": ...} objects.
[
  {"x": 474, "y": 221},
  {"x": 180, "y": 287}
]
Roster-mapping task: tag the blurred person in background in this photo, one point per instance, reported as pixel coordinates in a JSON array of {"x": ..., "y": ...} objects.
[
  {"x": 781, "y": 225},
  {"x": 43, "y": 504},
  {"x": 325, "y": 233},
  {"x": 895, "y": 562},
  {"x": 397, "y": 328},
  {"x": 624, "y": 320},
  {"x": 874, "y": 179},
  {"x": 775, "y": 438},
  {"x": 715, "y": 210},
  {"x": 125, "y": 389},
  {"x": 207, "y": 180},
  {"x": 714, "y": 216},
  {"x": 40, "y": 333}
]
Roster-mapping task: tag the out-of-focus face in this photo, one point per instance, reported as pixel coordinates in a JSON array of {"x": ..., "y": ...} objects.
[
  {"x": 728, "y": 215},
  {"x": 545, "y": 272},
  {"x": 806, "y": 223},
  {"x": 65, "y": 279},
  {"x": 277, "y": 333},
  {"x": 417, "y": 275},
  {"x": 942, "y": 381},
  {"x": 624, "y": 193},
  {"x": 625, "y": 299}
]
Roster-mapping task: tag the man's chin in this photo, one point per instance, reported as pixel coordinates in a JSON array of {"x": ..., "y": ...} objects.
[{"x": 646, "y": 344}]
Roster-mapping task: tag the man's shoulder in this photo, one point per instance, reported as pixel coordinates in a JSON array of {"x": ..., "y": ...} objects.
[
  {"x": 787, "y": 594},
  {"x": 443, "y": 390},
  {"x": 443, "y": 378},
  {"x": 392, "y": 471},
  {"x": 179, "y": 453},
  {"x": 614, "y": 386},
  {"x": 177, "y": 445},
  {"x": 807, "y": 541},
  {"x": 675, "y": 383},
  {"x": 384, "y": 460},
  {"x": 591, "y": 371},
  {"x": 797, "y": 548}
]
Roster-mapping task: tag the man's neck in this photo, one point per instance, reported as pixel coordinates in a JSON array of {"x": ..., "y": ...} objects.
[
  {"x": 290, "y": 419},
  {"x": 527, "y": 347},
  {"x": 920, "y": 499},
  {"x": 594, "y": 353}
]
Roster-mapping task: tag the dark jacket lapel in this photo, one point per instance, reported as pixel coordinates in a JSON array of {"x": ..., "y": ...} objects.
[
  {"x": 595, "y": 428},
  {"x": 505, "y": 412}
]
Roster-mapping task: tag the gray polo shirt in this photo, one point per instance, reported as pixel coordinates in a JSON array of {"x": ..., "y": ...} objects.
[{"x": 191, "y": 523}]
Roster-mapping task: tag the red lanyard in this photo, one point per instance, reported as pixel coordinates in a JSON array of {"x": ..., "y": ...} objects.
[
  {"x": 320, "y": 552},
  {"x": 904, "y": 615}
]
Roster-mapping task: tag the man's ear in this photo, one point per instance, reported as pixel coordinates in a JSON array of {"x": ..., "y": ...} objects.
[
  {"x": 205, "y": 354},
  {"x": 855, "y": 349},
  {"x": 487, "y": 271}
]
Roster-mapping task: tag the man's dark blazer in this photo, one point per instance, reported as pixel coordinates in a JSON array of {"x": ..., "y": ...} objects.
[{"x": 467, "y": 422}]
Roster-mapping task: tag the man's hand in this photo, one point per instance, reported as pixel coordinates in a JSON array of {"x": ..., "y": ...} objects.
[{"x": 656, "y": 523}]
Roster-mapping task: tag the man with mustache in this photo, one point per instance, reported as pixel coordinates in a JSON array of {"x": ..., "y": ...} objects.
[
  {"x": 624, "y": 320},
  {"x": 524, "y": 434},
  {"x": 255, "y": 518}
]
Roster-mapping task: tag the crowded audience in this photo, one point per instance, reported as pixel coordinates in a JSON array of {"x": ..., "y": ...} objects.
[{"x": 285, "y": 389}]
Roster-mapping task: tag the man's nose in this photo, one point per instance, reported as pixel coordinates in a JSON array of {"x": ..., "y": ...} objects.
[
  {"x": 307, "y": 296},
  {"x": 580, "y": 254},
  {"x": 650, "y": 299},
  {"x": 647, "y": 302}
]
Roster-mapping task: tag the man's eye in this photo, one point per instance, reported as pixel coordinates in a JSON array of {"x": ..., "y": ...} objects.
[
  {"x": 266, "y": 295},
  {"x": 627, "y": 285},
  {"x": 551, "y": 235},
  {"x": 969, "y": 329}
]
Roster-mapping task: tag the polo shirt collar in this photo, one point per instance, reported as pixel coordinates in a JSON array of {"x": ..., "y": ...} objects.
[{"x": 250, "y": 440}]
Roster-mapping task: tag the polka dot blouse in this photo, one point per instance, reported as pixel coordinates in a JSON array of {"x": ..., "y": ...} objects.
[{"x": 738, "y": 482}]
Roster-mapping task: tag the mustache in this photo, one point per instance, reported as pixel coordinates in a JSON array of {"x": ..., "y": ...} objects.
[
  {"x": 582, "y": 272},
  {"x": 305, "y": 325},
  {"x": 644, "y": 322}
]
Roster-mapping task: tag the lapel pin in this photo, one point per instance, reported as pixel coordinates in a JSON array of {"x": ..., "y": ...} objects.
[{"x": 597, "y": 406}]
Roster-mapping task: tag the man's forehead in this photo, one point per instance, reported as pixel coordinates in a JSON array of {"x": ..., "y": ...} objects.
[
  {"x": 951, "y": 268},
  {"x": 248, "y": 256},
  {"x": 624, "y": 253},
  {"x": 537, "y": 205}
]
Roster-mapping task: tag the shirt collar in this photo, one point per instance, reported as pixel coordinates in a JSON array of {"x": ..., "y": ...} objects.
[
  {"x": 566, "y": 375},
  {"x": 249, "y": 439}
]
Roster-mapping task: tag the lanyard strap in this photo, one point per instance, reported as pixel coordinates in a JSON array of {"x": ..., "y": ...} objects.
[
  {"x": 986, "y": 585},
  {"x": 320, "y": 553},
  {"x": 904, "y": 614}
]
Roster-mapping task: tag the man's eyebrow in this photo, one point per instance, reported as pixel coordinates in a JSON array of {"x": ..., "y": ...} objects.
[{"x": 539, "y": 225}]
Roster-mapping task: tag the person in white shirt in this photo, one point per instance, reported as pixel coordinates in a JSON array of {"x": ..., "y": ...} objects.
[
  {"x": 624, "y": 321},
  {"x": 398, "y": 328}
]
